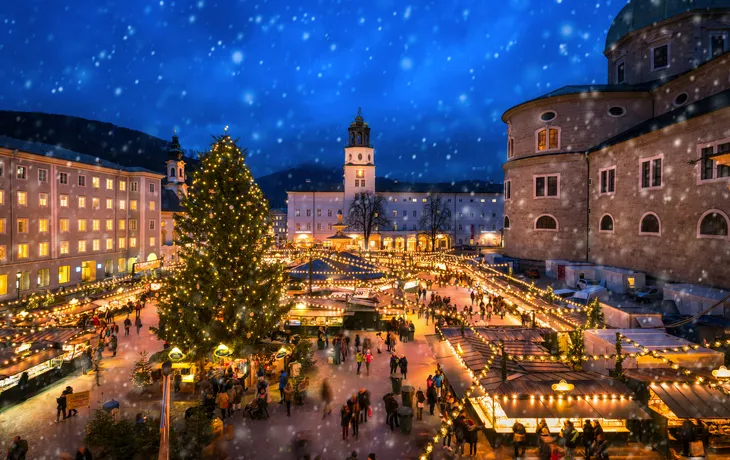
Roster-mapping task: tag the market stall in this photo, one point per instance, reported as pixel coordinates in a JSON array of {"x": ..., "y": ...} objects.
[{"x": 35, "y": 360}]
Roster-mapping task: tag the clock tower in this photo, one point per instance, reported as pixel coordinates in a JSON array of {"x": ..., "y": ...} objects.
[{"x": 359, "y": 166}]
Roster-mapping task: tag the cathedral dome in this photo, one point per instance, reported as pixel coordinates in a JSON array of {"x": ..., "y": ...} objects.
[{"x": 638, "y": 14}]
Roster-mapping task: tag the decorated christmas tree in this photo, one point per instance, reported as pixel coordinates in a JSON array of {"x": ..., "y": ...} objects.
[
  {"x": 225, "y": 293},
  {"x": 142, "y": 371},
  {"x": 595, "y": 314}
]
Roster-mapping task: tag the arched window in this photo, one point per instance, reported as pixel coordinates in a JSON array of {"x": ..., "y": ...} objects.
[
  {"x": 548, "y": 139},
  {"x": 606, "y": 225},
  {"x": 350, "y": 157},
  {"x": 506, "y": 222},
  {"x": 172, "y": 172},
  {"x": 713, "y": 224},
  {"x": 650, "y": 225},
  {"x": 163, "y": 236},
  {"x": 546, "y": 223},
  {"x": 180, "y": 172}
]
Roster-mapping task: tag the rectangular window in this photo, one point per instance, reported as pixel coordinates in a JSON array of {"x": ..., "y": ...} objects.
[
  {"x": 133, "y": 186},
  {"x": 109, "y": 224},
  {"x": 395, "y": 213},
  {"x": 660, "y": 57},
  {"x": 547, "y": 186},
  {"x": 510, "y": 147},
  {"x": 109, "y": 203},
  {"x": 133, "y": 205},
  {"x": 23, "y": 225},
  {"x": 319, "y": 213},
  {"x": 507, "y": 190},
  {"x": 329, "y": 213},
  {"x": 122, "y": 243},
  {"x": 608, "y": 180},
  {"x": 42, "y": 175},
  {"x": 121, "y": 265},
  {"x": 710, "y": 169},
  {"x": 319, "y": 226},
  {"x": 42, "y": 225},
  {"x": 132, "y": 224},
  {"x": 620, "y": 72},
  {"x": 362, "y": 183},
  {"x": 152, "y": 241},
  {"x": 2, "y": 197},
  {"x": 2, "y": 226},
  {"x": 82, "y": 225},
  {"x": 95, "y": 245},
  {"x": 108, "y": 267},
  {"x": 3, "y": 284},
  {"x": 121, "y": 224},
  {"x": 329, "y": 226},
  {"x": 24, "y": 281},
  {"x": 152, "y": 188},
  {"x": 63, "y": 201},
  {"x": 297, "y": 212},
  {"x": 360, "y": 173},
  {"x": 21, "y": 172},
  {"x": 109, "y": 244},
  {"x": 82, "y": 202},
  {"x": 95, "y": 182},
  {"x": 461, "y": 227},
  {"x": 651, "y": 172},
  {"x": 22, "y": 198},
  {"x": 718, "y": 44},
  {"x": 152, "y": 225},
  {"x": 95, "y": 225},
  {"x": 298, "y": 226},
  {"x": 63, "y": 225},
  {"x": 707, "y": 168},
  {"x": 122, "y": 185},
  {"x": 82, "y": 181},
  {"x": 2, "y": 168},
  {"x": 94, "y": 203},
  {"x": 23, "y": 251},
  {"x": 63, "y": 178},
  {"x": 309, "y": 213},
  {"x": 43, "y": 200},
  {"x": 122, "y": 205},
  {"x": 3, "y": 252},
  {"x": 152, "y": 205},
  {"x": 63, "y": 247},
  {"x": 110, "y": 184},
  {"x": 64, "y": 274},
  {"x": 82, "y": 245},
  {"x": 43, "y": 249}
]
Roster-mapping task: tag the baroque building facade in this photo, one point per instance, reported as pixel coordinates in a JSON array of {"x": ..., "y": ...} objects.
[
  {"x": 474, "y": 207},
  {"x": 625, "y": 173}
]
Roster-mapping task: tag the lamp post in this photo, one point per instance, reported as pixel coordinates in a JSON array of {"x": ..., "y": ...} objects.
[
  {"x": 165, "y": 412},
  {"x": 17, "y": 283}
]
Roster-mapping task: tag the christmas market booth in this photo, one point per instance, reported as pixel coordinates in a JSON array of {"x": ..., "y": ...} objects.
[
  {"x": 311, "y": 313},
  {"x": 336, "y": 267},
  {"x": 526, "y": 383}
]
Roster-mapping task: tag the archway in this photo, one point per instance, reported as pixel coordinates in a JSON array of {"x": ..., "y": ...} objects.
[
  {"x": 151, "y": 256},
  {"x": 411, "y": 243},
  {"x": 130, "y": 264},
  {"x": 399, "y": 243},
  {"x": 388, "y": 243}
]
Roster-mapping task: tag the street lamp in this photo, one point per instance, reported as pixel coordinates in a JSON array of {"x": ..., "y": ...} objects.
[
  {"x": 17, "y": 283},
  {"x": 165, "y": 412}
]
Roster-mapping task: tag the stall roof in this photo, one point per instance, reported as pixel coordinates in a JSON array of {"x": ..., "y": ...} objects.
[
  {"x": 653, "y": 339},
  {"x": 693, "y": 401},
  {"x": 25, "y": 364},
  {"x": 458, "y": 377},
  {"x": 29, "y": 335},
  {"x": 612, "y": 409},
  {"x": 697, "y": 291}
]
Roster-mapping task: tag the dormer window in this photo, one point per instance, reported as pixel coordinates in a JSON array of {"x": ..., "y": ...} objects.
[
  {"x": 660, "y": 57},
  {"x": 620, "y": 72},
  {"x": 718, "y": 44}
]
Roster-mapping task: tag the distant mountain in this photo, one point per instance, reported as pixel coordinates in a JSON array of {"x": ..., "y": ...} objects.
[
  {"x": 307, "y": 176},
  {"x": 126, "y": 147}
]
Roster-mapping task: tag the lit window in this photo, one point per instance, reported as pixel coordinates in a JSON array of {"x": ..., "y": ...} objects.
[
  {"x": 63, "y": 200},
  {"x": 95, "y": 245},
  {"x": 547, "y": 186},
  {"x": 95, "y": 225},
  {"x": 110, "y": 184},
  {"x": 360, "y": 173},
  {"x": 132, "y": 224},
  {"x": 710, "y": 169},
  {"x": 63, "y": 178},
  {"x": 95, "y": 182},
  {"x": 548, "y": 139},
  {"x": 121, "y": 224},
  {"x": 122, "y": 243},
  {"x": 22, "y": 251},
  {"x": 109, "y": 203},
  {"x": 109, "y": 244},
  {"x": 21, "y": 172},
  {"x": 23, "y": 225},
  {"x": 82, "y": 225},
  {"x": 651, "y": 172},
  {"x": 121, "y": 265},
  {"x": 82, "y": 181},
  {"x": 63, "y": 248},
  {"x": 43, "y": 249},
  {"x": 122, "y": 204},
  {"x": 94, "y": 203},
  {"x": 132, "y": 242},
  {"x": 22, "y": 198},
  {"x": 82, "y": 201},
  {"x": 42, "y": 175},
  {"x": 2, "y": 226},
  {"x": 64, "y": 274},
  {"x": 122, "y": 185},
  {"x": 24, "y": 280},
  {"x": 152, "y": 205},
  {"x": 2, "y": 197},
  {"x": 3, "y": 252},
  {"x": 42, "y": 225},
  {"x": 110, "y": 224},
  {"x": 133, "y": 205},
  {"x": 44, "y": 277},
  {"x": 43, "y": 200},
  {"x": 82, "y": 246},
  {"x": 3, "y": 284}
]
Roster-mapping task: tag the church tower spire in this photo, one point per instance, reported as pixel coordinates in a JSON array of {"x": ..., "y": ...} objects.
[
  {"x": 359, "y": 159},
  {"x": 359, "y": 132},
  {"x": 175, "y": 167}
]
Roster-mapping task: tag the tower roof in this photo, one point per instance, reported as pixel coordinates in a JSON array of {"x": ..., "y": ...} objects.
[
  {"x": 174, "y": 152},
  {"x": 358, "y": 132},
  {"x": 638, "y": 14}
]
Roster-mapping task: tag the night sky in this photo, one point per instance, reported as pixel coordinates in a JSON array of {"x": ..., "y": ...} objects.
[{"x": 432, "y": 78}]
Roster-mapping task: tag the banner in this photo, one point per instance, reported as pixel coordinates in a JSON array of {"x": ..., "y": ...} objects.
[{"x": 78, "y": 400}]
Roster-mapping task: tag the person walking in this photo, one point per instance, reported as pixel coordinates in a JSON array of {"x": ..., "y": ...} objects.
[
  {"x": 570, "y": 435},
  {"x": 61, "y": 406},
  {"x": 359, "y": 358},
  {"x": 403, "y": 362},
  {"x": 391, "y": 410},
  {"x": 345, "y": 421},
  {"x": 358, "y": 342},
  {"x": 71, "y": 412},
  {"x": 472, "y": 437},
  {"x": 222, "y": 402},
  {"x": 368, "y": 360},
  {"x": 326, "y": 394},
  {"x": 438, "y": 381},
  {"x": 587, "y": 439},
  {"x": 393, "y": 363},
  {"x": 431, "y": 397},
  {"x": 113, "y": 345},
  {"x": 138, "y": 323},
  {"x": 363, "y": 399},
  {"x": 519, "y": 435},
  {"x": 337, "y": 345},
  {"x": 127, "y": 325},
  {"x": 420, "y": 402},
  {"x": 288, "y": 394},
  {"x": 355, "y": 416},
  {"x": 283, "y": 380},
  {"x": 262, "y": 393},
  {"x": 379, "y": 341},
  {"x": 18, "y": 449}
]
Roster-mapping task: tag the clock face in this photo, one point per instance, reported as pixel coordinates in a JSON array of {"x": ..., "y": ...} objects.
[{"x": 359, "y": 156}]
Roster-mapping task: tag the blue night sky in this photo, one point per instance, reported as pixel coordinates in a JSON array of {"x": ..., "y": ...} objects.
[{"x": 432, "y": 78}]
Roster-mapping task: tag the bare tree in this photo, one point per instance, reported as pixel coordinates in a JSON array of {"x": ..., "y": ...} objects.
[
  {"x": 434, "y": 217},
  {"x": 367, "y": 214}
]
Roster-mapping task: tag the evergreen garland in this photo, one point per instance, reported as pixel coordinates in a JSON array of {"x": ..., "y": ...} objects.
[
  {"x": 225, "y": 292},
  {"x": 576, "y": 348},
  {"x": 596, "y": 318}
]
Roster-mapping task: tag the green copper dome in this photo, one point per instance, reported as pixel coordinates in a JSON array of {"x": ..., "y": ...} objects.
[{"x": 638, "y": 14}]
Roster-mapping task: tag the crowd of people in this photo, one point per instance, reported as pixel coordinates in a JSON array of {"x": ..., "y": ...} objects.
[{"x": 550, "y": 447}]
